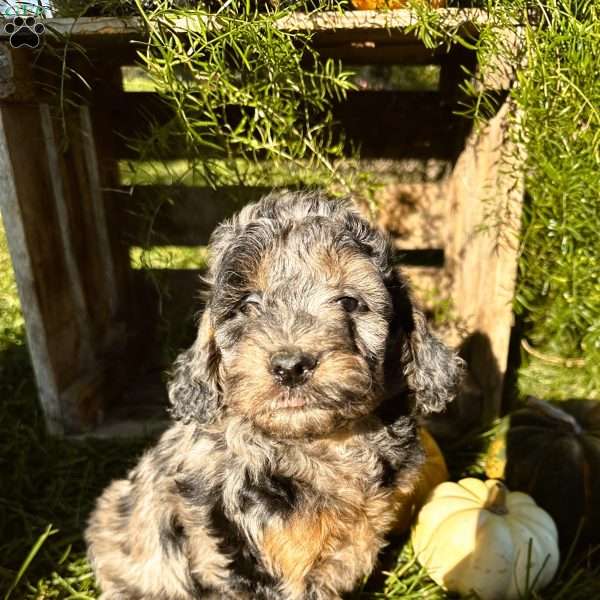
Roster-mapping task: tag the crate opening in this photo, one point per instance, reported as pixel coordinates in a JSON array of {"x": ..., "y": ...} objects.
[
  {"x": 431, "y": 174},
  {"x": 399, "y": 78}
]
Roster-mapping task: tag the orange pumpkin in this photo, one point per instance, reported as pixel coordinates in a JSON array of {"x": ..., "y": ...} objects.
[
  {"x": 378, "y": 4},
  {"x": 434, "y": 472}
]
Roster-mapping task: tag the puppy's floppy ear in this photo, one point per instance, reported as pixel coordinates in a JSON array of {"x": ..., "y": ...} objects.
[
  {"x": 193, "y": 389},
  {"x": 433, "y": 371}
]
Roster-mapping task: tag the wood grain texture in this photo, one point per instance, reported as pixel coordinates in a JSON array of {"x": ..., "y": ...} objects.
[
  {"x": 483, "y": 215},
  {"x": 13, "y": 186},
  {"x": 314, "y": 22},
  {"x": 58, "y": 255}
]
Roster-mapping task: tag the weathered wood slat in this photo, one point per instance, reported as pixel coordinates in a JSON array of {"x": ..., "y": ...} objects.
[
  {"x": 394, "y": 21},
  {"x": 20, "y": 175},
  {"x": 103, "y": 138},
  {"x": 59, "y": 181},
  {"x": 53, "y": 207},
  {"x": 483, "y": 214},
  {"x": 36, "y": 235}
]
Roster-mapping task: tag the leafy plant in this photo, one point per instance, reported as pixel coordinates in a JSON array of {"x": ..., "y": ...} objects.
[
  {"x": 556, "y": 130},
  {"x": 559, "y": 268},
  {"x": 241, "y": 89}
]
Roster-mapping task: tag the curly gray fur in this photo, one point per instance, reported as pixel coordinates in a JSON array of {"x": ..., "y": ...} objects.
[{"x": 270, "y": 488}]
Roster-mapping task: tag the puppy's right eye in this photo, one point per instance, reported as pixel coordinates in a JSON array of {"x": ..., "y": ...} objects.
[
  {"x": 348, "y": 303},
  {"x": 250, "y": 305}
]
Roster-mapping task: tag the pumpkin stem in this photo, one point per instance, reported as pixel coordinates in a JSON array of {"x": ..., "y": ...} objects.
[
  {"x": 496, "y": 500},
  {"x": 554, "y": 412}
]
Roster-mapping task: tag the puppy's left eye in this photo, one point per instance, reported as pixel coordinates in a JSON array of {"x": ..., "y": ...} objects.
[
  {"x": 348, "y": 303},
  {"x": 250, "y": 305}
]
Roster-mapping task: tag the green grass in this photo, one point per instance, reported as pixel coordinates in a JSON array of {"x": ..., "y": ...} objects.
[{"x": 48, "y": 486}]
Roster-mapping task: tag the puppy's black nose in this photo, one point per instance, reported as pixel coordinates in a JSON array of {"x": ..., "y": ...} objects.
[{"x": 292, "y": 367}]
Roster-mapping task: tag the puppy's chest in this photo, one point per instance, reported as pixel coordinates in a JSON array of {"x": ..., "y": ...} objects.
[
  {"x": 330, "y": 505},
  {"x": 349, "y": 479}
]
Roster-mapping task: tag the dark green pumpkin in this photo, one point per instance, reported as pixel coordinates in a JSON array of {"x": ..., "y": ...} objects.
[{"x": 552, "y": 452}]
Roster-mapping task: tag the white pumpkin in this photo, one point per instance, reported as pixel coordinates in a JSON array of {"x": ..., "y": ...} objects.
[{"x": 478, "y": 536}]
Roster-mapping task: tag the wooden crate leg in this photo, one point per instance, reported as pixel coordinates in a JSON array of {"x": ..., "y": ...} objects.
[
  {"x": 53, "y": 208},
  {"x": 80, "y": 315},
  {"x": 485, "y": 196},
  {"x": 24, "y": 267},
  {"x": 98, "y": 210}
]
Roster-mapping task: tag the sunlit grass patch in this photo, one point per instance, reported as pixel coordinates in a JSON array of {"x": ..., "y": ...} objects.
[
  {"x": 136, "y": 79},
  {"x": 168, "y": 257}
]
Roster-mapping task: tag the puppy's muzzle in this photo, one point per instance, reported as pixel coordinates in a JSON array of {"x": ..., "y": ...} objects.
[{"x": 292, "y": 367}]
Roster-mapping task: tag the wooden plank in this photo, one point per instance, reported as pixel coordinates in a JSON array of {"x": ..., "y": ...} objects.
[
  {"x": 102, "y": 246},
  {"x": 18, "y": 175},
  {"x": 367, "y": 20},
  {"x": 80, "y": 313},
  {"x": 485, "y": 196},
  {"x": 76, "y": 196},
  {"x": 60, "y": 353},
  {"x": 84, "y": 28},
  {"x": 373, "y": 20},
  {"x": 48, "y": 199},
  {"x": 105, "y": 291},
  {"x": 356, "y": 46},
  {"x": 103, "y": 138}
]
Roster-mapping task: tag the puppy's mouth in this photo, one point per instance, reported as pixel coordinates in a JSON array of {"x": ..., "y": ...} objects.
[
  {"x": 342, "y": 388},
  {"x": 289, "y": 401}
]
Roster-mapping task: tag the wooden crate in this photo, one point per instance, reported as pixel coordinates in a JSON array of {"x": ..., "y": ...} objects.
[{"x": 91, "y": 319}]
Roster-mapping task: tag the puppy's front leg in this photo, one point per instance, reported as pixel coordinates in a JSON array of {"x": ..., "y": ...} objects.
[{"x": 137, "y": 535}]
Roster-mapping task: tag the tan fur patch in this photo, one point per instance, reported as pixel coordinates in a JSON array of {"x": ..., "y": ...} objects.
[
  {"x": 327, "y": 265},
  {"x": 294, "y": 548},
  {"x": 262, "y": 275},
  {"x": 318, "y": 543}
]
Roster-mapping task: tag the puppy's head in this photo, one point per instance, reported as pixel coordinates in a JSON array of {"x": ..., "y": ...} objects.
[{"x": 307, "y": 327}]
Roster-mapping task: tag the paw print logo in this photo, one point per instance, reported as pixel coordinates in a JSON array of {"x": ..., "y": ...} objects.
[{"x": 24, "y": 32}]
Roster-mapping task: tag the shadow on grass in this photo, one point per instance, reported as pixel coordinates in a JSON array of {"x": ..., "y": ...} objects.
[{"x": 43, "y": 481}]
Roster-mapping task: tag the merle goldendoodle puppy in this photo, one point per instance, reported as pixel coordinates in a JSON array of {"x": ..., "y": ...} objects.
[{"x": 296, "y": 438}]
